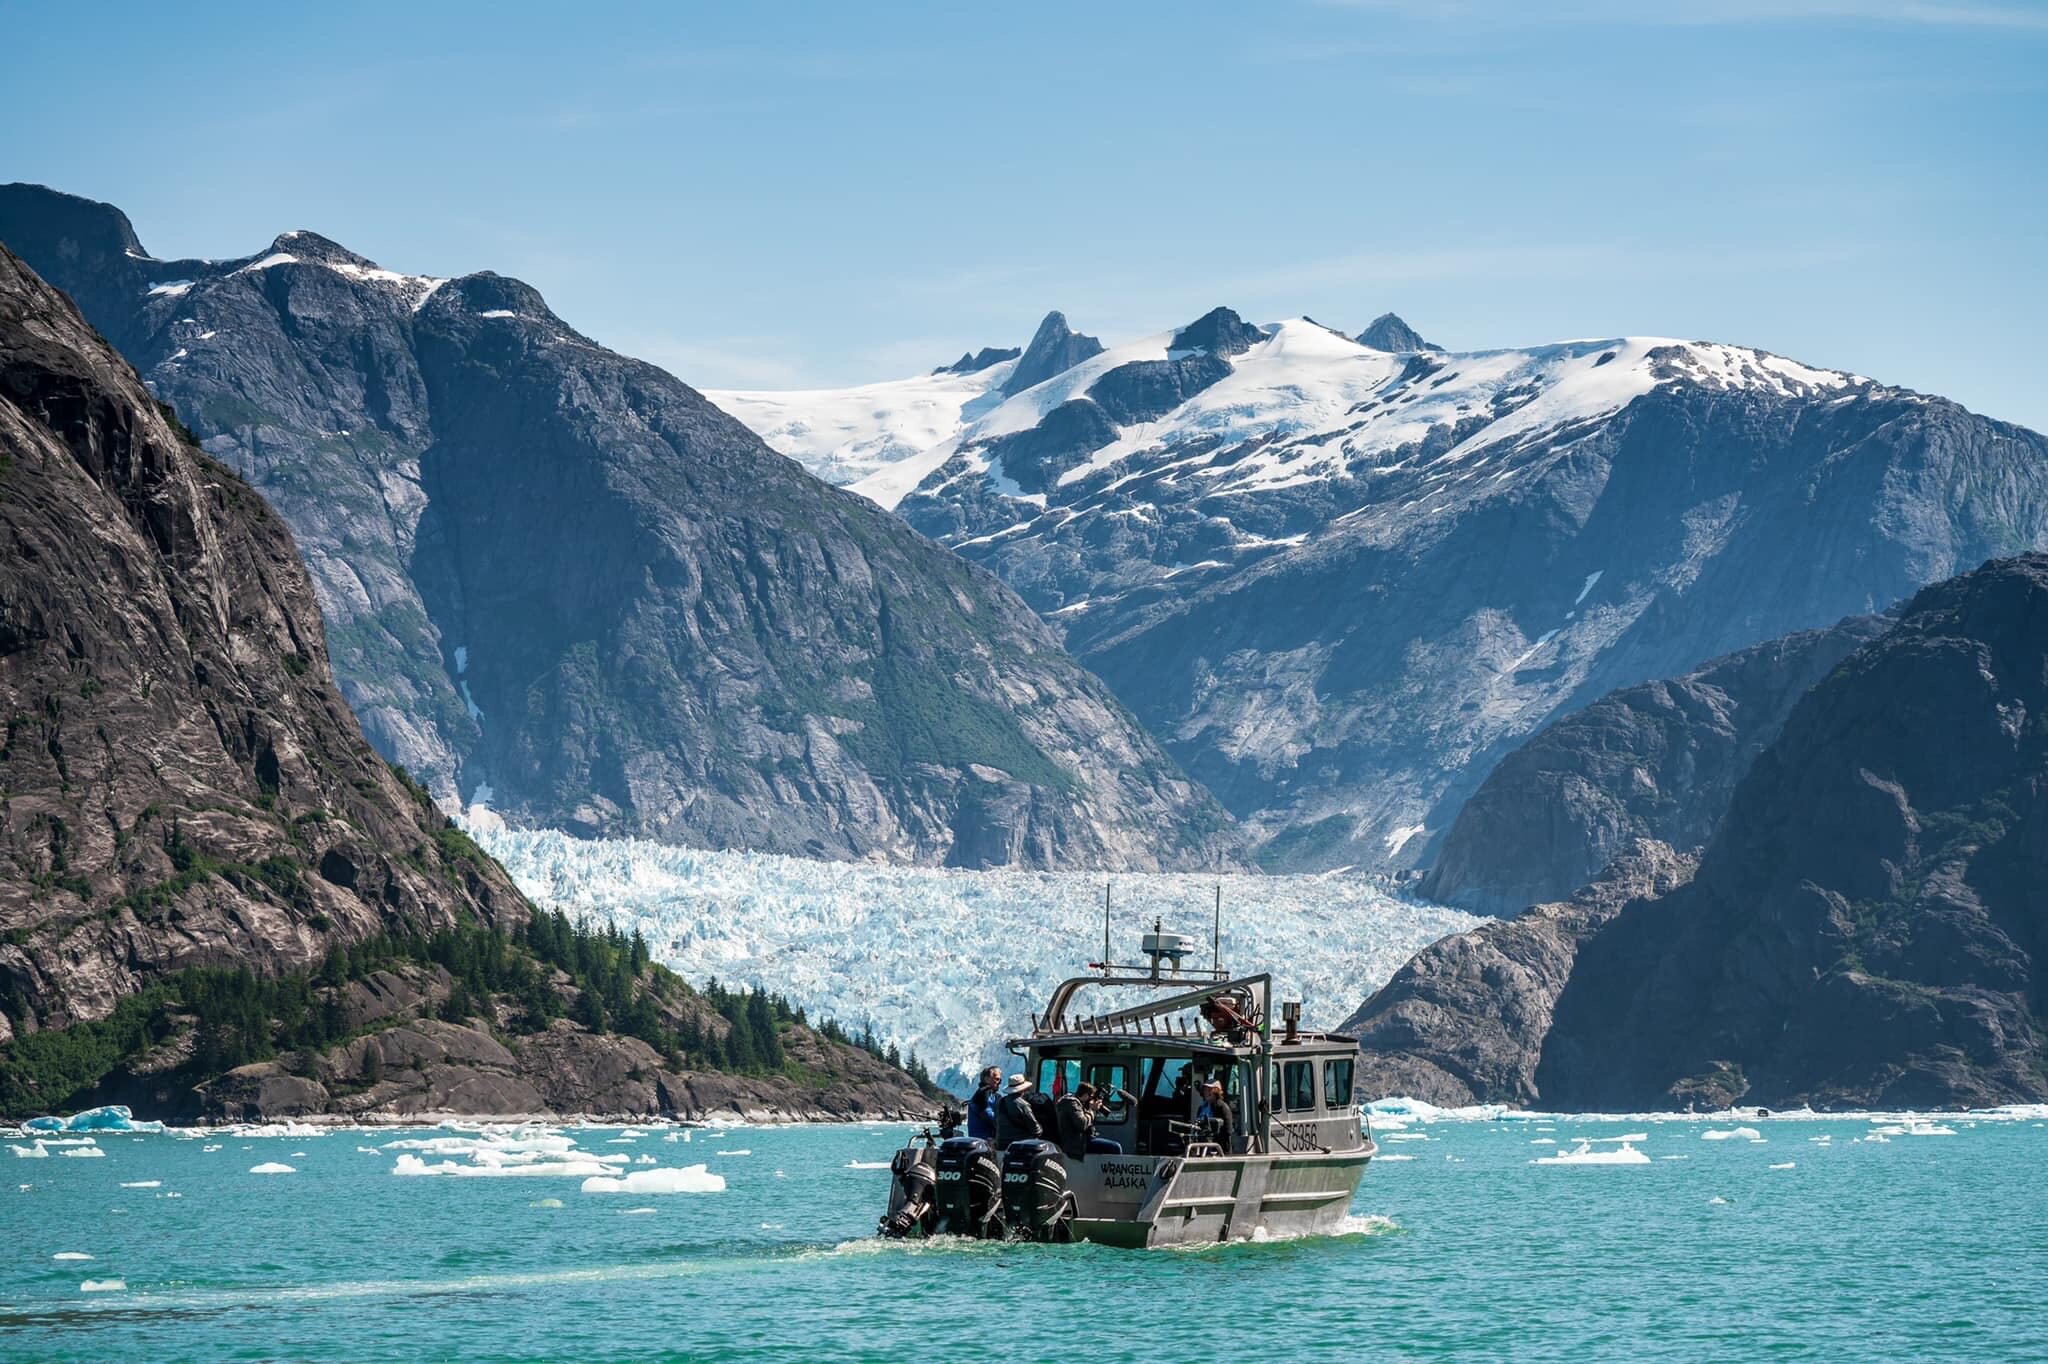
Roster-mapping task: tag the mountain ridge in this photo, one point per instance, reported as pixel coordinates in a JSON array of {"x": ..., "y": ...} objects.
[{"x": 751, "y": 660}]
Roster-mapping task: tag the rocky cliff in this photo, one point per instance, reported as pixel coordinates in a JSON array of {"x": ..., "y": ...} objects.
[
  {"x": 195, "y": 839},
  {"x": 1658, "y": 761},
  {"x": 180, "y": 783},
  {"x": 1865, "y": 927},
  {"x": 1465, "y": 1020},
  {"x": 559, "y": 582}
]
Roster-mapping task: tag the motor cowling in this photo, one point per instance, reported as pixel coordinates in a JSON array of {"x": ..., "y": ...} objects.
[
  {"x": 913, "y": 1191},
  {"x": 1037, "y": 1204},
  {"x": 969, "y": 1188}
]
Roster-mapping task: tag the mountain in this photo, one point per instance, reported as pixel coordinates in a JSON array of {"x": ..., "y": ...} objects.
[
  {"x": 1055, "y": 348},
  {"x": 215, "y": 899},
  {"x": 1389, "y": 333},
  {"x": 180, "y": 783},
  {"x": 1342, "y": 584},
  {"x": 1655, "y": 761},
  {"x": 973, "y": 362},
  {"x": 1865, "y": 928},
  {"x": 561, "y": 583}
]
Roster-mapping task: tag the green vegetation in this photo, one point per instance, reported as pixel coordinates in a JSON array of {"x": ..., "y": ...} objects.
[{"x": 237, "y": 1017}]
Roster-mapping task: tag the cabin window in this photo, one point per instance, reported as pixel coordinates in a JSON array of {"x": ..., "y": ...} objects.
[
  {"x": 1112, "y": 1078},
  {"x": 1337, "y": 1083},
  {"x": 1297, "y": 1086},
  {"x": 1057, "y": 1076},
  {"x": 1169, "y": 1080}
]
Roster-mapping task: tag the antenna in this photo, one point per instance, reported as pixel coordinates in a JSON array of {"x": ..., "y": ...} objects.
[
  {"x": 1105, "y": 928},
  {"x": 1216, "y": 935}
]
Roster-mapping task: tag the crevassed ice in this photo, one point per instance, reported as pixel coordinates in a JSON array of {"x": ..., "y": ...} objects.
[{"x": 950, "y": 963}]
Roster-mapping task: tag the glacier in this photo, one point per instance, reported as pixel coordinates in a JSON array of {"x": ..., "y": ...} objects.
[{"x": 948, "y": 963}]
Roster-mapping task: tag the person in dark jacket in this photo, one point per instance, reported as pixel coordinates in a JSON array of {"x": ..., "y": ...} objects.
[
  {"x": 1215, "y": 1110},
  {"x": 981, "y": 1105},
  {"x": 1077, "y": 1124},
  {"x": 1016, "y": 1118}
]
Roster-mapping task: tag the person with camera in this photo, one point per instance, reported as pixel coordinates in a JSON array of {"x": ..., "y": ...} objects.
[
  {"x": 1214, "y": 1114},
  {"x": 1077, "y": 1112}
]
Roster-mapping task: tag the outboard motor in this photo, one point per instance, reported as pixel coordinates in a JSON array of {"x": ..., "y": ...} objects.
[
  {"x": 969, "y": 1197},
  {"x": 1036, "y": 1201},
  {"x": 913, "y": 1207}
]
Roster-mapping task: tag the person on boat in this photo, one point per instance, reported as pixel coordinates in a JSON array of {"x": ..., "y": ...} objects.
[
  {"x": 981, "y": 1106},
  {"x": 1077, "y": 1124},
  {"x": 1215, "y": 1111},
  {"x": 1016, "y": 1116}
]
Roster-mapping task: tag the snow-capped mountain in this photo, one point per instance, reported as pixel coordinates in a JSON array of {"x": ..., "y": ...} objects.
[
  {"x": 950, "y": 963},
  {"x": 1340, "y": 582},
  {"x": 557, "y": 580}
]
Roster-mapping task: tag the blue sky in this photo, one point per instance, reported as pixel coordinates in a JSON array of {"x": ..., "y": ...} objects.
[{"x": 776, "y": 196}]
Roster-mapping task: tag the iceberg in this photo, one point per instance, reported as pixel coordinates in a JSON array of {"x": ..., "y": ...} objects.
[
  {"x": 111, "y": 1118},
  {"x": 949, "y": 963},
  {"x": 1731, "y": 1134},
  {"x": 36, "y": 1152},
  {"x": 272, "y": 1167},
  {"x": 688, "y": 1179},
  {"x": 1585, "y": 1153}
]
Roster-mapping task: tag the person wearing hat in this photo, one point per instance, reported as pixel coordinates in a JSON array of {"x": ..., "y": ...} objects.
[
  {"x": 1016, "y": 1118},
  {"x": 1215, "y": 1112}
]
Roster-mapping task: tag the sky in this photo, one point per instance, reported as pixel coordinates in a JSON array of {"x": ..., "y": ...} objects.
[{"x": 804, "y": 196}]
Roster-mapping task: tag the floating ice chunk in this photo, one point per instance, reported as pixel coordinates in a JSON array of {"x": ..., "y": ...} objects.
[
  {"x": 1785, "y": 1165},
  {"x": 36, "y": 1152},
  {"x": 645, "y": 1160},
  {"x": 545, "y": 1203},
  {"x": 1928, "y": 1129},
  {"x": 867, "y": 1164},
  {"x": 1731, "y": 1134},
  {"x": 615, "y": 1141},
  {"x": 1388, "y": 1158},
  {"x": 210, "y": 1148},
  {"x": 634, "y": 1212},
  {"x": 688, "y": 1179},
  {"x": 1406, "y": 1136},
  {"x": 103, "y": 1286},
  {"x": 1585, "y": 1153},
  {"x": 298, "y": 1153},
  {"x": 71, "y": 1255},
  {"x": 580, "y": 1165},
  {"x": 111, "y": 1118},
  {"x": 1717, "y": 1202},
  {"x": 272, "y": 1167},
  {"x": 742, "y": 1151},
  {"x": 780, "y": 1175},
  {"x": 144, "y": 1184},
  {"x": 83, "y": 1152},
  {"x": 368, "y": 1150}
]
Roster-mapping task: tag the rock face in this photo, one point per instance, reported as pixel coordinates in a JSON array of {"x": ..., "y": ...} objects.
[
  {"x": 560, "y": 582},
  {"x": 1389, "y": 333},
  {"x": 1341, "y": 584},
  {"x": 180, "y": 782},
  {"x": 1655, "y": 761},
  {"x": 1465, "y": 1020},
  {"x": 1865, "y": 928},
  {"x": 974, "y": 362},
  {"x": 1054, "y": 349}
]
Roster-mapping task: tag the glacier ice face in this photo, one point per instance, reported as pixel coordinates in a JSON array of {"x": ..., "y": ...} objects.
[{"x": 950, "y": 963}]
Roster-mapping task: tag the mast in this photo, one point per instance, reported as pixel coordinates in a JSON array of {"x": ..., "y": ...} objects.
[
  {"x": 1216, "y": 934},
  {"x": 1105, "y": 928}
]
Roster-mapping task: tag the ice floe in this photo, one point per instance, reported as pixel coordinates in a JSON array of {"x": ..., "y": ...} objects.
[
  {"x": 272, "y": 1167},
  {"x": 1731, "y": 1134},
  {"x": 110, "y": 1118},
  {"x": 1587, "y": 1153},
  {"x": 71, "y": 1255},
  {"x": 36, "y": 1152},
  {"x": 144, "y": 1184},
  {"x": 688, "y": 1179},
  {"x": 103, "y": 1286},
  {"x": 83, "y": 1152}
]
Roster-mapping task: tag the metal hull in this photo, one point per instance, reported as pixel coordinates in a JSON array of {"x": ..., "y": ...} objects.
[{"x": 1167, "y": 1201}]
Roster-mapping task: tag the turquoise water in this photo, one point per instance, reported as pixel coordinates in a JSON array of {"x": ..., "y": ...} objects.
[{"x": 1918, "y": 1246}]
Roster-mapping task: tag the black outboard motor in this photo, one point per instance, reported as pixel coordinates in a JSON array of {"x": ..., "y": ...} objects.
[
  {"x": 913, "y": 1207},
  {"x": 1036, "y": 1201},
  {"x": 970, "y": 1201}
]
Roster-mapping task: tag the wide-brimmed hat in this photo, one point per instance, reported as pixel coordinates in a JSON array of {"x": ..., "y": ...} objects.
[
  {"x": 1212, "y": 1084},
  {"x": 1016, "y": 1083}
]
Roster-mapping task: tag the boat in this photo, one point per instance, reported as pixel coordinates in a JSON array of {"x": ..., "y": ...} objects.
[{"x": 1148, "y": 1039}]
